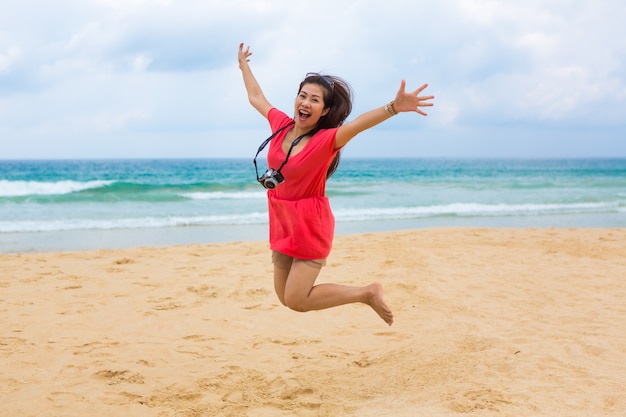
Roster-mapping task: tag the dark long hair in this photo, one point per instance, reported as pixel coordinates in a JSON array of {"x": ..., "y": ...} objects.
[{"x": 337, "y": 97}]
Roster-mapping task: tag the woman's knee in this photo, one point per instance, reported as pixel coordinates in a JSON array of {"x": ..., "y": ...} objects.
[
  {"x": 299, "y": 285},
  {"x": 295, "y": 303}
]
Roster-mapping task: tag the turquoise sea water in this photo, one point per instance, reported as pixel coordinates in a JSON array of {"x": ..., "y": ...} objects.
[{"x": 68, "y": 205}]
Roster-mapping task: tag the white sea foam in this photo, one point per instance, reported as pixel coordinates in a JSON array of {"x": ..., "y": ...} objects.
[
  {"x": 469, "y": 209},
  {"x": 221, "y": 195},
  {"x": 129, "y": 223},
  {"x": 25, "y": 188},
  {"x": 341, "y": 214}
]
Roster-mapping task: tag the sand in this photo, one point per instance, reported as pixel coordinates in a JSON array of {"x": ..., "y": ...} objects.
[{"x": 488, "y": 322}]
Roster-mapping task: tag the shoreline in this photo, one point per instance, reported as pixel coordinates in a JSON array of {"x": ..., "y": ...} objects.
[
  {"x": 78, "y": 240},
  {"x": 524, "y": 322}
]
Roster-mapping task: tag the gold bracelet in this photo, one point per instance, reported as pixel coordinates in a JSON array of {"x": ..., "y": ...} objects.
[
  {"x": 390, "y": 109},
  {"x": 393, "y": 109}
]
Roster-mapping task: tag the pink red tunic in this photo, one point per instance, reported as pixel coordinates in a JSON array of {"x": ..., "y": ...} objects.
[{"x": 301, "y": 222}]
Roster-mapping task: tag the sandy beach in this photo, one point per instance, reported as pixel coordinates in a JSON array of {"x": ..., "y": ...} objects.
[{"x": 488, "y": 322}]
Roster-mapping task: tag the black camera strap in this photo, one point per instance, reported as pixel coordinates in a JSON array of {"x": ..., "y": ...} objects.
[
  {"x": 266, "y": 141},
  {"x": 263, "y": 145}
]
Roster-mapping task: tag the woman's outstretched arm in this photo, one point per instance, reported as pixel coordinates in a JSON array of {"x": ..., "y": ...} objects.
[
  {"x": 255, "y": 94},
  {"x": 404, "y": 102}
]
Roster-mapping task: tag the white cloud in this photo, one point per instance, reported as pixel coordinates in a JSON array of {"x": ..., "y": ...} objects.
[
  {"x": 106, "y": 121},
  {"x": 139, "y": 66},
  {"x": 8, "y": 58}
]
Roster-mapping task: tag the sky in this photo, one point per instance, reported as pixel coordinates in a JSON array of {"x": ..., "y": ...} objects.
[{"x": 160, "y": 78}]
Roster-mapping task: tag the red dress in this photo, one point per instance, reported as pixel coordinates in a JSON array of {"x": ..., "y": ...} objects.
[{"x": 301, "y": 222}]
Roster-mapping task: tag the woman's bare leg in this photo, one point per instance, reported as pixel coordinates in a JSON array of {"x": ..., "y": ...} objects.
[
  {"x": 301, "y": 293},
  {"x": 280, "y": 281}
]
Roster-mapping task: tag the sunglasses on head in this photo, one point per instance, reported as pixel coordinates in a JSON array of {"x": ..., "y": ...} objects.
[{"x": 327, "y": 80}]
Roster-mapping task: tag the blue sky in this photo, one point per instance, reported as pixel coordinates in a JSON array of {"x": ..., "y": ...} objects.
[{"x": 159, "y": 78}]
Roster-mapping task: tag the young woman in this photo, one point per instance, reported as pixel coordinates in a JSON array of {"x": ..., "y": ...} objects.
[{"x": 303, "y": 152}]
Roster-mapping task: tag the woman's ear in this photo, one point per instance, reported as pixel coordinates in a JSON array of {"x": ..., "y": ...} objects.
[{"x": 325, "y": 111}]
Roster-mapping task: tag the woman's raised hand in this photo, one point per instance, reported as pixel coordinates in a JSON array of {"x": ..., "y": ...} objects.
[
  {"x": 411, "y": 101},
  {"x": 244, "y": 54}
]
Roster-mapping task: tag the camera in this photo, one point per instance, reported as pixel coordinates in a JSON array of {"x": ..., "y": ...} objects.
[{"x": 271, "y": 179}]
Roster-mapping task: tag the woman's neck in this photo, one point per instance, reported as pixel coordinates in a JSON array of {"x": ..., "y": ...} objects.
[{"x": 297, "y": 131}]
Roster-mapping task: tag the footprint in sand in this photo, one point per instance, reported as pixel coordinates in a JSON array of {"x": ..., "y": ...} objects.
[
  {"x": 484, "y": 399},
  {"x": 118, "y": 377}
]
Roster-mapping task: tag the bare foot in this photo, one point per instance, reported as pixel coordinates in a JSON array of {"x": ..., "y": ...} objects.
[{"x": 377, "y": 302}]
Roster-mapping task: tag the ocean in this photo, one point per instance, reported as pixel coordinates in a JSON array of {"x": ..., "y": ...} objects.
[{"x": 87, "y": 204}]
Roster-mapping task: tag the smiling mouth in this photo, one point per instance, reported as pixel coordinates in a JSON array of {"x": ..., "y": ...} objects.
[{"x": 303, "y": 115}]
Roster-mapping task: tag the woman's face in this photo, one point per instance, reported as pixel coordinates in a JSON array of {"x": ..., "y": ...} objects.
[{"x": 309, "y": 106}]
